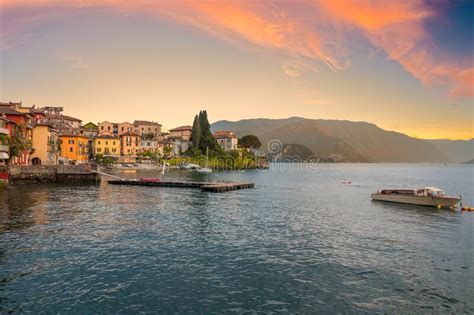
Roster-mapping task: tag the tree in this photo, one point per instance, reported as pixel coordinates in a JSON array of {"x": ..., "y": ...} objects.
[
  {"x": 207, "y": 140},
  {"x": 196, "y": 135},
  {"x": 19, "y": 143},
  {"x": 250, "y": 142}
]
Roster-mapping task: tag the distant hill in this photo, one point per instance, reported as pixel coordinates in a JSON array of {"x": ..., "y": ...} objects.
[
  {"x": 350, "y": 141},
  {"x": 459, "y": 151},
  {"x": 469, "y": 162}
]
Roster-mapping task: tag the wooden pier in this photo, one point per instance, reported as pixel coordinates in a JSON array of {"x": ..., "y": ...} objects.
[{"x": 204, "y": 186}]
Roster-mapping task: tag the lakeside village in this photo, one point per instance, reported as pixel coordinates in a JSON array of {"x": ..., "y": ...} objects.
[{"x": 47, "y": 137}]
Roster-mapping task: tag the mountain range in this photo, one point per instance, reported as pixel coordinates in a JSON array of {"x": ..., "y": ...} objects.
[{"x": 348, "y": 141}]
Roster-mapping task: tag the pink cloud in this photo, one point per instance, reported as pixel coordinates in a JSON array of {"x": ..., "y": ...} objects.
[{"x": 302, "y": 31}]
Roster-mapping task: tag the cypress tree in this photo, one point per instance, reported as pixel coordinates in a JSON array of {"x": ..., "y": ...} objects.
[{"x": 196, "y": 136}]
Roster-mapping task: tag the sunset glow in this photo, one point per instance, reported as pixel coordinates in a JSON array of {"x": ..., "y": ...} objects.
[{"x": 403, "y": 65}]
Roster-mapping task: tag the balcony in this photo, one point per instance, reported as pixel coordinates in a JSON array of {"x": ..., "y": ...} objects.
[
  {"x": 4, "y": 131},
  {"x": 4, "y": 148}
]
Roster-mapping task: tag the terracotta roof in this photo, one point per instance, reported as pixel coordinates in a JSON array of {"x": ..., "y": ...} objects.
[
  {"x": 145, "y": 122},
  {"x": 7, "y": 110},
  {"x": 62, "y": 117},
  {"x": 106, "y": 137},
  {"x": 182, "y": 128},
  {"x": 224, "y": 134},
  {"x": 132, "y": 134}
]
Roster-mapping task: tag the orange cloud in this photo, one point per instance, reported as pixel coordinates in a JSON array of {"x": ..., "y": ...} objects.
[
  {"x": 302, "y": 32},
  {"x": 397, "y": 28}
]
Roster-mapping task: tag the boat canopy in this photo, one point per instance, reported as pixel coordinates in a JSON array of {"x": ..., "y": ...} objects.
[{"x": 433, "y": 189}]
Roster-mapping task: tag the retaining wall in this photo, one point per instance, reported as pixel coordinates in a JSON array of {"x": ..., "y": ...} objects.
[{"x": 21, "y": 174}]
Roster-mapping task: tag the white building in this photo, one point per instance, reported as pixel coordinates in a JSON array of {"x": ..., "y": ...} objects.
[{"x": 226, "y": 139}]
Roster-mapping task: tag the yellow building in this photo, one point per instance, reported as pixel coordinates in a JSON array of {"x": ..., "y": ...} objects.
[
  {"x": 45, "y": 145},
  {"x": 74, "y": 147},
  {"x": 130, "y": 144},
  {"x": 106, "y": 145}
]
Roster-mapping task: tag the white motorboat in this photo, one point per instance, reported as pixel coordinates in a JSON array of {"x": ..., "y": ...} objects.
[
  {"x": 206, "y": 169},
  {"x": 427, "y": 196}
]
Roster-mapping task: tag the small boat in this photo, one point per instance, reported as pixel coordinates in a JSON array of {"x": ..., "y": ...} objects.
[
  {"x": 206, "y": 169},
  {"x": 346, "y": 182},
  {"x": 427, "y": 196},
  {"x": 150, "y": 180}
]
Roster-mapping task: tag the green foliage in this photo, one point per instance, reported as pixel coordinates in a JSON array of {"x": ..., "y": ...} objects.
[
  {"x": 207, "y": 141},
  {"x": 148, "y": 136},
  {"x": 196, "y": 135},
  {"x": 250, "y": 142},
  {"x": 18, "y": 142},
  {"x": 104, "y": 160}
]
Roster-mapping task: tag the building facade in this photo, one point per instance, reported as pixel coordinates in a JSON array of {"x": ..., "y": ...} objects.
[
  {"x": 151, "y": 128},
  {"x": 74, "y": 148},
  {"x": 129, "y": 144},
  {"x": 183, "y": 132},
  {"x": 45, "y": 145},
  {"x": 21, "y": 130},
  {"x": 227, "y": 140},
  {"x": 4, "y": 141},
  {"x": 106, "y": 145}
]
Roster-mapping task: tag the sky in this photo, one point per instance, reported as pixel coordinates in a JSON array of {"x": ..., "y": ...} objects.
[{"x": 406, "y": 66}]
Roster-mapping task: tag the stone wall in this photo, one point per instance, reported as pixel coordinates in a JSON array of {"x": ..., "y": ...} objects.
[{"x": 51, "y": 174}]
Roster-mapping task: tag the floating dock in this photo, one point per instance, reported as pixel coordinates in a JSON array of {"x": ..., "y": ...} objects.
[{"x": 204, "y": 186}]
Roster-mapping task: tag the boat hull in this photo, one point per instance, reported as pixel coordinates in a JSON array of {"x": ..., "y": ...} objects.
[{"x": 431, "y": 201}]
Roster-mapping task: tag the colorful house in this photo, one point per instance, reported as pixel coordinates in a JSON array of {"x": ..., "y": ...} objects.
[
  {"x": 4, "y": 141},
  {"x": 125, "y": 127},
  {"x": 74, "y": 147},
  {"x": 129, "y": 144},
  {"x": 107, "y": 145},
  {"x": 21, "y": 130},
  {"x": 45, "y": 145}
]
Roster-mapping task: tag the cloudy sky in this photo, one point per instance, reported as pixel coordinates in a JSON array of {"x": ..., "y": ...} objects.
[{"x": 403, "y": 65}]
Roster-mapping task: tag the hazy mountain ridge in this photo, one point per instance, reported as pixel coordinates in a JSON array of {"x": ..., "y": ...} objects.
[{"x": 353, "y": 141}]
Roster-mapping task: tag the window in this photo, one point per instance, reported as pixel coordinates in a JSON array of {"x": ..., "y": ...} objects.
[
  {"x": 101, "y": 127},
  {"x": 114, "y": 149},
  {"x": 98, "y": 142},
  {"x": 122, "y": 128},
  {"x": 113, "y": 143},
  {"x": 71, "y": 149},
  {"x": 99, "y": 149},
  {"x": 71, "y": 141},
  {"x": 108, "y": 128},
  {"x": 106, "y": 142}
]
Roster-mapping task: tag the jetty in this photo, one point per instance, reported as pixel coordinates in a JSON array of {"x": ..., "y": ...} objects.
[{"x": 204, "y": 186}]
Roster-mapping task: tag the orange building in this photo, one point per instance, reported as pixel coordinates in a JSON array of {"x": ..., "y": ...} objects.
[
  {"x": 129, "y": 143},
  {"x": 74, "y": 147}
]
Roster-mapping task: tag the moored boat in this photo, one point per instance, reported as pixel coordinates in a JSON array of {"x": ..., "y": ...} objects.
[{"x": 427, "y": 196}]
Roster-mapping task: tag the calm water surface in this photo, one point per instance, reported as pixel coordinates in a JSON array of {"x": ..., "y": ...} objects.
[{"x": 299, "y": 242}]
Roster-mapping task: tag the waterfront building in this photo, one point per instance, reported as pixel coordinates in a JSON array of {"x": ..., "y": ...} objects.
[
  {"x": 148, "y": 145},
  {"x": 74, "y": 148},
  {"x": 45, "y": 145},
  {"x": 166, "y": 148},
  {"x": 4, "y": 141},
  {"x": 151, "y": 128},
  {"x": 107, "y": 145},
  {"x": 226, "y": 139},
  {"x": 129, "y": 144},
  {"x": 20, "y": 128},
  {"x": 183, "y": 132}
]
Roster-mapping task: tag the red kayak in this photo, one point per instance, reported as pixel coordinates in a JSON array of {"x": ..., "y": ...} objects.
[{"x": 150, "y": 180}]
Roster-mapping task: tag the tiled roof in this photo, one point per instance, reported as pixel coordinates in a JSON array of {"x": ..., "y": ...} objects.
[
  {"x": 62, "y": 117},
  {"x": 182, "y": 128},
  {"x": 224, "y": 134},
  {"x": 145, "y": 122},
  {"x": 7, "y": 110},
  {"x": 106, "y": 137}
]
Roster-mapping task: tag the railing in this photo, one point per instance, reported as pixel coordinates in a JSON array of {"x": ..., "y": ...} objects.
[
  {"x": 4, "y": 148},
  {"x": 4, "y": 131}
]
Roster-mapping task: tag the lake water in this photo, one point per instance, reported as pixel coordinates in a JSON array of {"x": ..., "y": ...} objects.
[{"x": 301, "y": 241}]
